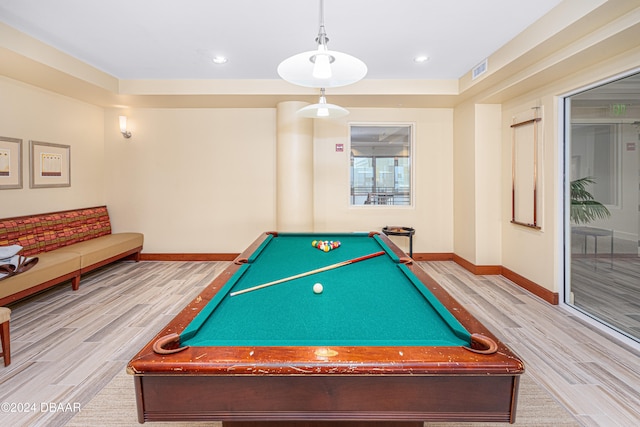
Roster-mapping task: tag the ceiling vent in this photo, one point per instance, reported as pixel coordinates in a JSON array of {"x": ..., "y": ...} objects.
[{"x": 479, "y": 69}]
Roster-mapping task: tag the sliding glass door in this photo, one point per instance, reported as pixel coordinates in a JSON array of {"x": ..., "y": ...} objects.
[{"x": 602, "y": 137}]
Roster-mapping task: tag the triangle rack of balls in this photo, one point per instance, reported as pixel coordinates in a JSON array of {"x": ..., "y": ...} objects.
[{"x": 325, "y": 245}]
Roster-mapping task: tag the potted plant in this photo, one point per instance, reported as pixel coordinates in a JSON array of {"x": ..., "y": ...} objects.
[{"x": 584, "y": 208}]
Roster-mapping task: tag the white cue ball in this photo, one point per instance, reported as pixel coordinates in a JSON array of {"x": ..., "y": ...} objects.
[{"x": 317, "y": 288}]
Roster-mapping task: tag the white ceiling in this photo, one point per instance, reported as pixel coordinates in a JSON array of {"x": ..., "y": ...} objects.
[{"x": 168, "y": 39}]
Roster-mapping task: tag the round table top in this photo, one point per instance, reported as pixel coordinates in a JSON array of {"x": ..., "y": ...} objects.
[
  {"x": 398, "y": 230},
  {"x": 592, "y": 231}
]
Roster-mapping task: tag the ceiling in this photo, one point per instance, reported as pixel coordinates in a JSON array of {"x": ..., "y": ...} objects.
[{"x": 163, "y": 39}]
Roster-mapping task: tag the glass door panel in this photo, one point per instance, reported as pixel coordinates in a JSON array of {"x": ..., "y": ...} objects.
[{"x": 603, "y": 220}]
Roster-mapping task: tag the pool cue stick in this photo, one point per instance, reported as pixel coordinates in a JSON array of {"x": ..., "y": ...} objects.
[{"x": 308, "y": 273}]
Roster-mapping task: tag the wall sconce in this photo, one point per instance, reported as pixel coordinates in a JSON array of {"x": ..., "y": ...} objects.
[{"x": 123, "y": 127}]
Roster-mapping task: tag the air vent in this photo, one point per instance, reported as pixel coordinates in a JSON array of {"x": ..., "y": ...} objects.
[{"x": 479, "y": 70}]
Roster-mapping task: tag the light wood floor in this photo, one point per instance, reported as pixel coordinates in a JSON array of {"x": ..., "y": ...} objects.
[
  {"x": 66, "y": 345},
  {"x": 596, "y": 378},
  {"x": 607, "y": 285},
  {"x": 610, "y": 290}
]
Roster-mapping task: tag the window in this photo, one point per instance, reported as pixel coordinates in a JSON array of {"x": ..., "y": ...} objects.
[{"x": 381, "y": 164}]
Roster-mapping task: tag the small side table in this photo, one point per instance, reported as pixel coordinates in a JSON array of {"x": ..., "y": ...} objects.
[
  {"x": 394, "y": 230},
  {"x": 595, "y": 233}
]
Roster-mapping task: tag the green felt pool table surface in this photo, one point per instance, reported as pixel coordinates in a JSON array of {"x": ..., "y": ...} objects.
[
  {"x": 382, "y": 342},
  {"x": 377, "y": 301}
]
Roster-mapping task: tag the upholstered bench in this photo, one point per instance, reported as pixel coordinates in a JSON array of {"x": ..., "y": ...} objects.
[{"x": 67, "y": 245}]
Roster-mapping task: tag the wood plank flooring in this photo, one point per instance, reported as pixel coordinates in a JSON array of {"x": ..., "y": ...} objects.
[
  {"x": 607, "y": 284},
  {"x": 596, "y": 378},
  {"x": 609, "y": 288},
  {"x": 66, "y": 346}
]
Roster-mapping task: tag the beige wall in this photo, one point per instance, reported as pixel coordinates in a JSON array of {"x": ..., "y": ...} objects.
[
  {"x": 530, "y": 252},
  {"x": 477, "y": 179},
  {"x": 464, "y": 168},
  {"x": 192, "y": 180},
  {"x": 29, "y": 113},
  {"x": 488, "y": 181},
  {"x": 432, "y": 212},
  {"x": 203, "y": 180},
  {"x": 294, "y": 169},
  {"x": 538, "y": 254}
]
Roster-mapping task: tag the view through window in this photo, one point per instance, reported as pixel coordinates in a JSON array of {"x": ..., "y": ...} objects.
[
  {"x": 381, "y": 164},
  {"x": 603, "y": 174}
]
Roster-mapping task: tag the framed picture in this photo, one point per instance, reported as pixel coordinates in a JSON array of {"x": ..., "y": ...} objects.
[
  {"x": 10, "y": 163},
  {"x": 50, "y": 165}
]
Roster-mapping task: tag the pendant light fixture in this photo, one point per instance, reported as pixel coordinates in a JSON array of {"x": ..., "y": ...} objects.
[
  {"x": 322, "y": 110},
  {"x": 322, "y": 67}
]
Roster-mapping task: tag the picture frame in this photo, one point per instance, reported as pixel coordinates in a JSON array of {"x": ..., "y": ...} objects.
[
  {"x": 10, "y": 163},
  {"x": 524, "y": 172},
  {"x": 50, "y": 165}
]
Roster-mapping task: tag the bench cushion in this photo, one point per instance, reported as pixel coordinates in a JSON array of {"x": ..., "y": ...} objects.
[
  {"x": 50, "y": 265},
  {"x": 104, "y": 247}
]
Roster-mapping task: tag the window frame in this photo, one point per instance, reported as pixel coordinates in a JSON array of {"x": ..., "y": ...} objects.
[{"x": 412, "y": 169}]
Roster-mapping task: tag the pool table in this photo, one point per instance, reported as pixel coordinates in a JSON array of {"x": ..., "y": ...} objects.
[{"x": 381, "y": 342}]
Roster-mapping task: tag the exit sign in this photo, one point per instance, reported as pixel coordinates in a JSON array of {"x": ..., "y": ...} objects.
[{"x": 618, "y": 109}]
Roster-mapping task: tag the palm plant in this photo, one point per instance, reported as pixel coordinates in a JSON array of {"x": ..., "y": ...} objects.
[{"x": 583, "y": 208}]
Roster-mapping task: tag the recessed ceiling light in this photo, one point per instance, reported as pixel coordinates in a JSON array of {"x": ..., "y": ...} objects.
[
  {"x": 220, "y": 59},
  {"x": 420, "y": 59}
]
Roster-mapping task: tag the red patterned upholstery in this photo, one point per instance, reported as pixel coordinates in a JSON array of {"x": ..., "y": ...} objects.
[{"x": 46, "y": 232}]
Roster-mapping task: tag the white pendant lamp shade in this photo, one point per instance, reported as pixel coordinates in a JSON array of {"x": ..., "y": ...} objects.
[
  {"x": 322, "y": 67},
  {"x": 334, "y": 69},
  {"x": 322, "y": 110}
]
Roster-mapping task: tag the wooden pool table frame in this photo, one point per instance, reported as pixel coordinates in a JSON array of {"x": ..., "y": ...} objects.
[{"x": 317, "y": 384}]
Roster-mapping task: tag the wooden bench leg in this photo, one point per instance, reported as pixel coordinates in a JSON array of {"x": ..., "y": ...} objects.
[
  {"x": 133, "y": 257},
  {"x": 6, "y": 343},
  {"x": 75, "y": 283}
]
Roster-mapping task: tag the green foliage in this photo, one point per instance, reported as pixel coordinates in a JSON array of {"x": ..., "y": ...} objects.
[{"x": 583, "y": 208}]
